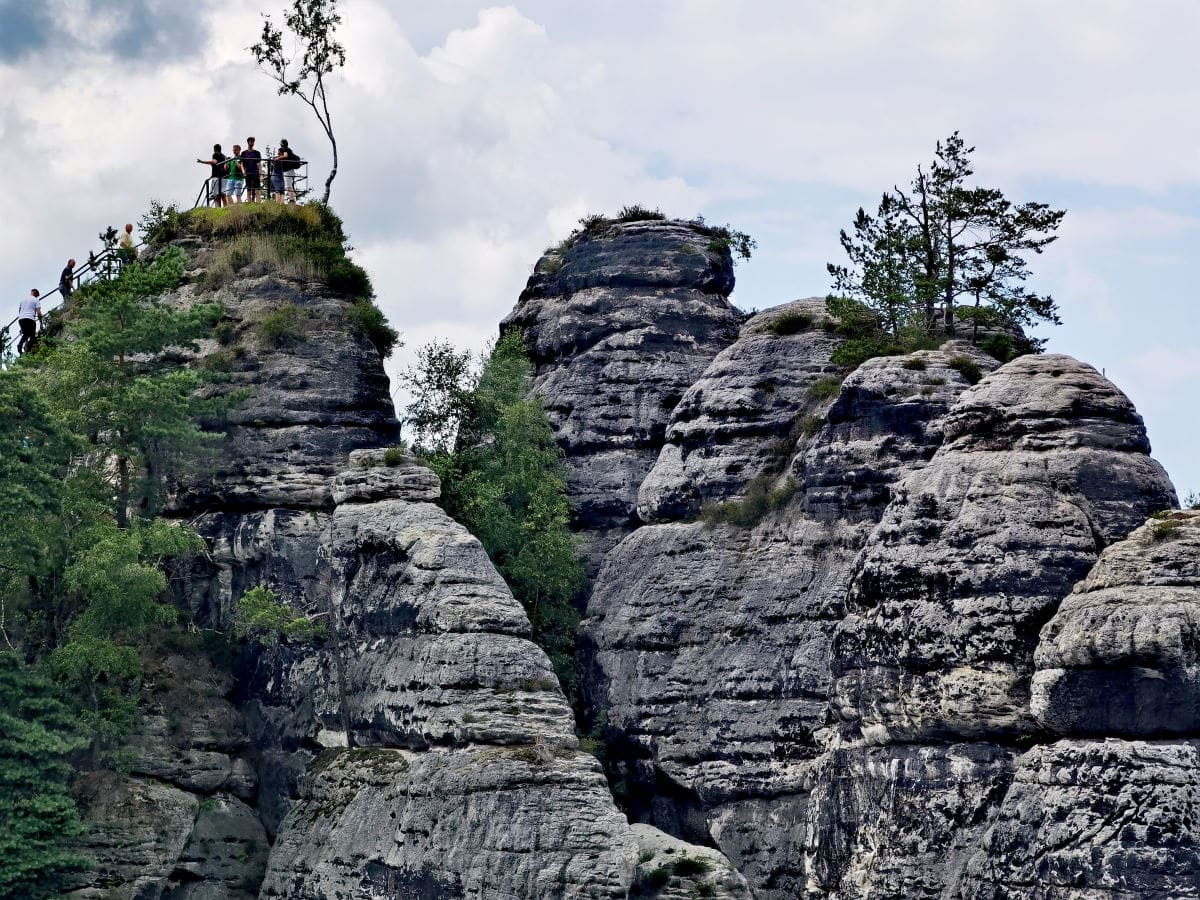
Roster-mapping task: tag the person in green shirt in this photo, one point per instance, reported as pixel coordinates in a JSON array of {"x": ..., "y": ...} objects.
[{"x": 235, "y": 184}]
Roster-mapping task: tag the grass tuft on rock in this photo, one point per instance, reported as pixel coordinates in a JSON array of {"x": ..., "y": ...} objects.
[{"x": 760, "y": 498}]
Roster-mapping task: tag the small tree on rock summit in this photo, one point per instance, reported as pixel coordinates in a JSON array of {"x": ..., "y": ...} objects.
[
  {"x": 312, "y": 24},
  {"x": 943, "y": 239}
]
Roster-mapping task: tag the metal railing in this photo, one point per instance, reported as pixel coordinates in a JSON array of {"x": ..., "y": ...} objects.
[
  {"x": 274, "y": 185},
  {"x": 290, "y": 186}
]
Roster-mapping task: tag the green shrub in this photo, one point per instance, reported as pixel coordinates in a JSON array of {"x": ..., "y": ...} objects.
[
  {"x": 220, "y": 361},
  {"x": 706, "y": 889},
  {"x": 283, "y": 325},
  {"x": 914, "y": 365},
  {"x": 160, "y": 224},
  {"x": 967, "y": 368},
  {"x": 691, "y": 867},
  {"x": 225, "y": 331},
  {"x": 999, "y": 346},
  {"x": 759, "y": 499},
  {"x": 1163, "y": 530},
  {"x": 372, "y": 324},
  {"x": 656, "y": 879},
  {"x": 394, "y": 456},
  {"x": 636, "y": 213},
  {"x": 790, "y": 322},
  {"x": 825, "y": 388},
  {"x": 503, "y": 477},
  {"x": 263, "y": 619},
  {"x": 348, "y": 278}
]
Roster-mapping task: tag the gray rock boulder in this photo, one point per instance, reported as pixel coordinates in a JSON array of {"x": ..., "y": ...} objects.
[
  {"x": 708, "y": 647},
  {"x": 1121, "y": 657},
  {"x": 1044, "y": 463},
  {"x": 738, "y": 420},
  {"x": 1094, "y": 820},
  {"x": 620, "y": 322}
]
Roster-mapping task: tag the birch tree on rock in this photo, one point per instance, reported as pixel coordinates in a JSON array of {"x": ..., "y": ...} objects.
[{"x": 301, "y": 71}]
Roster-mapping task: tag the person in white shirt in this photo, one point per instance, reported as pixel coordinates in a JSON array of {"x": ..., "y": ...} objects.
[
  {"x": 29, "y": 317},
  {"x": 125, "y": 247}
]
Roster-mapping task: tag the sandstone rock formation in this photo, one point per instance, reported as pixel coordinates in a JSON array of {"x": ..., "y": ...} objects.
[
  {"x": 708, "y": 647},
  {"x": 620, "y": 321}
]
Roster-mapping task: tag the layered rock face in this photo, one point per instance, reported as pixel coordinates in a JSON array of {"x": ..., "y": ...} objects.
[
  {"x": 1043, "y": 464},
  {"x": 620, "y": 321},
  {"x": 419, "y": 745},
  {"x": 1120, "y": 816},
  {"x": 708, "y": 647}
]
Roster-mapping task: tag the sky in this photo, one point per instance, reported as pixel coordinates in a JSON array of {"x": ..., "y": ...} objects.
[{"x": 472, "y": 136}]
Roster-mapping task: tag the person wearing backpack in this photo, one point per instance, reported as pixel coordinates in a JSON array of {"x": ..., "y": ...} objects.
[{"x": 286, "y": 163}]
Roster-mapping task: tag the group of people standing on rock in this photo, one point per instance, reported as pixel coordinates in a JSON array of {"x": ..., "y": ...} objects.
[{"x": 233, "y": 177}]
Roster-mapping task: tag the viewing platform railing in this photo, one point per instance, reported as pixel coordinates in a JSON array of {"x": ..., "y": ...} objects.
[{"x": 283, "y": 187}]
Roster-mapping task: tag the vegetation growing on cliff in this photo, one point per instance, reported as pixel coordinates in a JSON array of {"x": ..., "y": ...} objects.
[
  {"x": 503, "y": 478},
  {"x": 91, "y": 429}
]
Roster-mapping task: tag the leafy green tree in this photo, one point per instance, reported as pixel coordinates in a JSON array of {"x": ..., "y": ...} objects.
[
  {"x": 942, "y": 239},
  {"x": 38, "y": 817},
  {"x": 503, "y": 478},
  {"x": 114, "y": 381},
  {"x": 313, "y": 25}
]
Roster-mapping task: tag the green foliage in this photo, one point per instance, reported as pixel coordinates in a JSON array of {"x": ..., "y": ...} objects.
[
  {"x": 691, "y": 867},
  {"x": 825, "y": 388},
  {"x": 790, "y": 322},
  {"x": 263, "y": 619},
  {"x": 503, "y": 478},
  {"x": 394, "y": 456},
  {"x": 656, "y": 879},
  {"x": 282, "y": 326},
  {"x": 761, "y": 497},
  {"x": 161, "y": 224},
  {"x": 371, "y": 323},
  {"x": 864, "y": 337},
  {"x": 38, "y": 819},
  {"x": 999, "y": 346},
  {"x": 914, "y": 365},
  {"x": 1192, "y": 500},
  {"x": 637, "y": 213},
  {"x": 966, "y": 367},
  {"x": 942, "y": 239},
  {"x": 112, "y": 381}
]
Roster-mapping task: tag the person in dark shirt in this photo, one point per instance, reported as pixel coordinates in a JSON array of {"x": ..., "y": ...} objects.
[
  {"x": 216, "y": 182},
  {"x": 66, "y": 281},
  {"x": 252, "y": 166}
]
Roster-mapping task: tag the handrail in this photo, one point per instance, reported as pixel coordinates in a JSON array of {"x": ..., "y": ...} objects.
[{"x": 109, "y": 254}]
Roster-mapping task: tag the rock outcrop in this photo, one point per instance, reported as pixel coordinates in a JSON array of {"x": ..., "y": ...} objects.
[
  {"x": 708, "y": 646},
  {"x": 1117, "y": 816},
  {"x": 620, "y": 321},
  {"x": 1043, "y": 464},
  {"x": 418, "y": 743}
]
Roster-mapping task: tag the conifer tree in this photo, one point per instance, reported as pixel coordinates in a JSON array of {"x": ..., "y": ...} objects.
[
  {"x": 38, "y": 817},
  {"x": 942, "y": 239}
]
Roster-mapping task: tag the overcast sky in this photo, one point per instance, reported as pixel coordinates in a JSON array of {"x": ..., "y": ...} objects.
[{"x": 472, "y": 136}]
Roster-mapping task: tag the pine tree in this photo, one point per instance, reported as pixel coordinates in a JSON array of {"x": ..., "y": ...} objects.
[
  {"x": 114, "y": 380},
  {"x": 942, "y": 239},
  {"x": 38, "y": 818}
]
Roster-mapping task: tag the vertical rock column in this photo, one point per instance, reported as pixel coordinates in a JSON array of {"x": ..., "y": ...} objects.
[
  {"x": 1044, "y": 463},
  {"x": 620, "y": 320},
  {"x": 1112, "y": 809}
]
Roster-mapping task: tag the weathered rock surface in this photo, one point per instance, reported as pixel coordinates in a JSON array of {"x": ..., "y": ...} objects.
[
  {"x": 708, "y": 648},
  {"x": 1094, "y": 820},
  {"x": 619, "y": 324},
  {"x": 309, "y": 399},
  {"x": 1121, "y": 657},
  {"x": 894, "y": 821},
  {"x": 1044, "y": 462}
]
